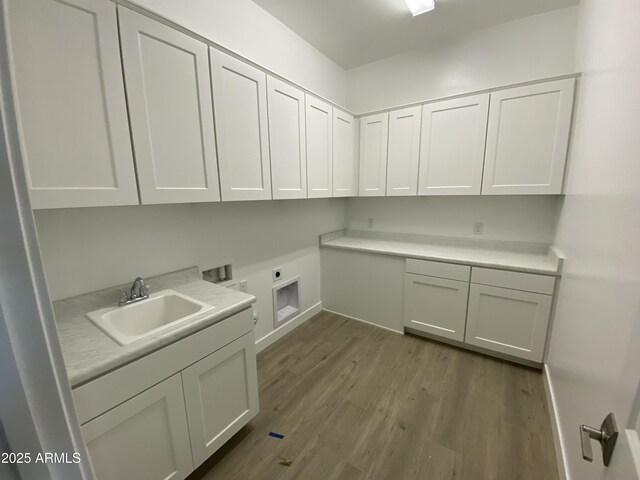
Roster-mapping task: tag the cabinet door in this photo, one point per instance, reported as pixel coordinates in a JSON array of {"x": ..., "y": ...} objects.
[
  {"x": 527, "y": 139},
  {"x": 169, "y": 95},
  {"x": 287, "y": 140},
  {"x": 240, "y": 109},
  {"x": 404, "y": 150},
  {"x": 345, "y": 164},
  {"x": 435, "y": 305},
  {"x": 221, "y": 394},
  {"x": 145, "y": 438},
  {"x": 374, "y": 134},
  {"x": 70, "y": 103},
  {"x": 452, "y": 146},
  {"x": 508, "y": 321},
  {"x": 319, "y": 120}
]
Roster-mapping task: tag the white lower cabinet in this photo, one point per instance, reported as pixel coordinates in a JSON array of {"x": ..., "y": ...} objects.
[
  {"x": 512, "y": 322},
  {"x": 435, "y": 305},
  {"x": 221, "y": 395},
  {"x": 161, "y": 416},
  {"x": 145, "y": 438}
]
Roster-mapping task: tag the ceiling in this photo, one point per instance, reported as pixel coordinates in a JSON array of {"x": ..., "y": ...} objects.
[{"x": 355, "y": 32}]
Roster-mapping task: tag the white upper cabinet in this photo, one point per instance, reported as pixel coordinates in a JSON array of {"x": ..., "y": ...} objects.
[
  {"x": 240, "y": 107},
  {"x": 287, "y": 140},
  {"x": 319, "y": 120},
  {"x": 404, "y": 149},
  {"x": 374, "y": 132},
  {"x": 169, "y": 95},
  {"x": 527, "y": 139},
  {"x": 345, "y": 164},
  {"x": 70, "y": 103},
  {"x": 452, "y": 146}
]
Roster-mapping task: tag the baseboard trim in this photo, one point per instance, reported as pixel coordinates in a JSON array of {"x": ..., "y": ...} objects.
[
  {"x": 555, "y": 425},
  {"x": 277, "y": 334},
  {"x": 364, "y": 321}
]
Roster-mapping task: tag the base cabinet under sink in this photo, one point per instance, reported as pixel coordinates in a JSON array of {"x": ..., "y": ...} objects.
[{"x": 167, "y": 429}]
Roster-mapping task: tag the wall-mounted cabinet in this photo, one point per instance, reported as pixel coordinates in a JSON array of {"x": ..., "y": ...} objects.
[
  {"x": 452, "y": 146},
  {"x": 240, "y": 107},
  {"x": 319, "y": 123},
  {"x": 527, "y": 139},
  {"x": 287, "y": 140},
  {"x": 345, "y": 159},
  {"x": 170, "y": 109},
  {"x": 70, "y": 102},
  {"x": 374, "y": 135},
  {"x": 403, "y": 151}
]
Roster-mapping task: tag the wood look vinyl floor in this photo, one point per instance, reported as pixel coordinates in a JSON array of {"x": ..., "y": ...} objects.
[{"x": 358, "y": 402}]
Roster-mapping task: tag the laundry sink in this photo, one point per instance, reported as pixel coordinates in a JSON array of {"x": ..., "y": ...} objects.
[{"x": 160, "y": 311}]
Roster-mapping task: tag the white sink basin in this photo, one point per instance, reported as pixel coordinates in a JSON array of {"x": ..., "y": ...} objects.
[{"x": 160, "y": 311}]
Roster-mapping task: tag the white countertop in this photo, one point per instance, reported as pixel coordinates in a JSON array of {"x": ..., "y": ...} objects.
[
  {"x": 516, "y": 256},
  {"x": 89, "y": 352}
]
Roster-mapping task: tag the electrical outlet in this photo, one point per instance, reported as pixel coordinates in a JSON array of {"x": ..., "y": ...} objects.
[
  {"x": 478, "y": 228},
  {"x": 243, "y": 286},
  {"x": 369, "y": 222},
  {"x": 277, "y": 274}
]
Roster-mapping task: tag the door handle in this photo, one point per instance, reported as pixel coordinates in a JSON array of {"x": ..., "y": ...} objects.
[{"x": 607, "y": 436}]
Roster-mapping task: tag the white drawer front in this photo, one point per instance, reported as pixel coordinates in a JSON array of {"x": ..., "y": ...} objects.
[
  {"x": 438, "y": 269},
  {"x": 528, "y": 282}
]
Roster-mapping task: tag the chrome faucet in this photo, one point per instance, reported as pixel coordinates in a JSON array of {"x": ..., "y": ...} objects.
[{"x": 139, "y": 291}]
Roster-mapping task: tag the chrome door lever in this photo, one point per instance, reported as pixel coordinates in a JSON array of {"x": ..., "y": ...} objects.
[{"x": 606, "y": 436}]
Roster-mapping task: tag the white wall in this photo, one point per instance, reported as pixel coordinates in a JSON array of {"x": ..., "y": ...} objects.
[
  {"x": 525, "y": 49},
  {"x": 516, "y": 218},
  {"x": 596, "y": 333},
  {"x": 247, "y": 29},
  {"x": 87, "y": 249}
]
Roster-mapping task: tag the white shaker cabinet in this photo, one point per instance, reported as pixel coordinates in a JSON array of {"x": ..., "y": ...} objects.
[
  {"x": 319, "y": 122},
  {"x": 374, "y": 133},
  {"x": 452, "y": 146},
  {"x": 145, "y": 438},
  {"x": 345, "y": 163},
  {"x": 240, "y": 109},
  {"x": 287, "y": 140},
  {"x": 527, "y": 139},
  {"x": 509, "y": 312},
  {"x": 403, "y": 151},
  {"x": 169, "y": 95},
  {"x": 221, "y": 395},
  {"x": 70, "y": 103}
]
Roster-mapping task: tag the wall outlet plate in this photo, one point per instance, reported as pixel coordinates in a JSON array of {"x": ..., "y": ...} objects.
[
  {"x": 276, "y": 273},
  {"x": 242, "y": 284},
  {"x": 478, "y": 228}
]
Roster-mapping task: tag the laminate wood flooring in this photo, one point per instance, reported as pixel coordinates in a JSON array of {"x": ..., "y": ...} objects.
[{"x": 356, "y": 402}]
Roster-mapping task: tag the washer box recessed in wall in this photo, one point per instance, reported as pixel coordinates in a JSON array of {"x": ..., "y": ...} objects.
[{"x": 286, "y": 301}]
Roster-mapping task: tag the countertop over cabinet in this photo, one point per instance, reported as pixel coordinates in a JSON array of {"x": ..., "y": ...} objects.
[
  {"x": 89, "y": 352},
  {"x": 515, "y": 256}
]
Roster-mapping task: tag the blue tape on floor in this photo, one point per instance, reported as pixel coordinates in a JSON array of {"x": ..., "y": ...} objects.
[{"x": 276, "y": 435}]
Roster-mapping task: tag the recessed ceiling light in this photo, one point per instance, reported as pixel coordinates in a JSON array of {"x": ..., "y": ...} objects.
[{"x": 419, "y": 7}]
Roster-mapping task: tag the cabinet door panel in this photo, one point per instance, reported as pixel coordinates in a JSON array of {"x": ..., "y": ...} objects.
[
  {"x": 404, "y": 149},
  {"x": 452, "y": 146},
  {"x": 221, "y": 394},
  {"x": 70, "y": 103},
  {"x": 374, "y": 135},
  {"x": 169, "y": 94},
  {"x": 145, "y": 438},
  {"x": 508, "y": 321},
  {"x": 287, "y": 140},
  {"x": 345, "y": 165},
  {"x": 527, "y": 139},
  {"x": 319, "y": 122},
  {"x": 436, "y": 305},
  {"x": 240, "y": 109}
]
